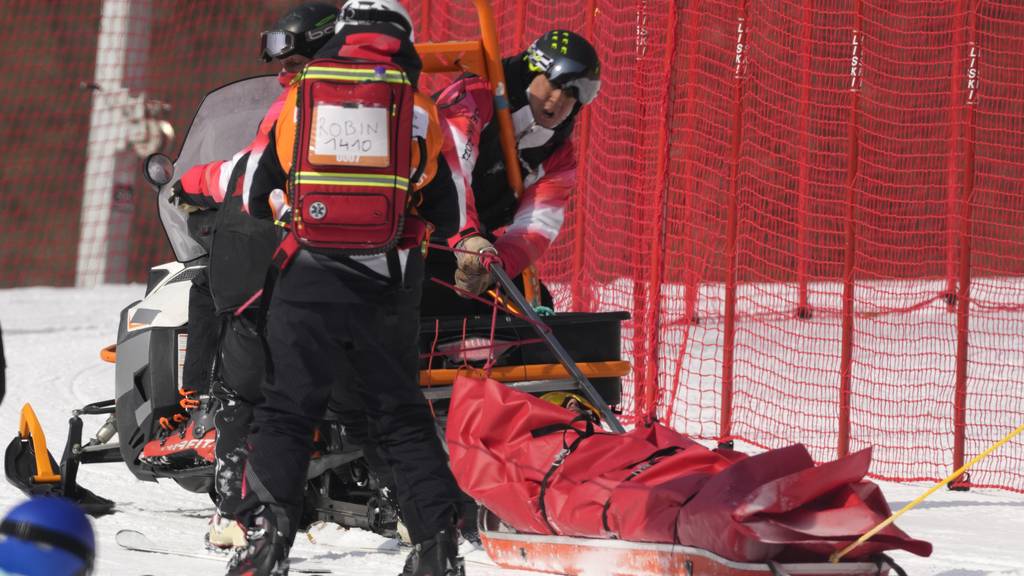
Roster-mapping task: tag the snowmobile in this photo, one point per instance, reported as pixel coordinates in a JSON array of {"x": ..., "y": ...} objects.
[
  {"x": 576, "y": 357},
  {"x": 152, "y": 338}
]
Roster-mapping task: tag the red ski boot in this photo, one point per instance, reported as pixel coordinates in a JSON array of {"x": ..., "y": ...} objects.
[{"x": 187, "y": 438}]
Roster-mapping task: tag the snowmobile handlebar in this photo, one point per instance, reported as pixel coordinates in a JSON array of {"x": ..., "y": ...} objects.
[{"x": 554, "y": 345}]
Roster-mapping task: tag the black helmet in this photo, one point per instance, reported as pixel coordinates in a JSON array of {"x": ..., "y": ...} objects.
[
  {"x": 303, "y": 30},
  {"x": 569, "y": 62}
]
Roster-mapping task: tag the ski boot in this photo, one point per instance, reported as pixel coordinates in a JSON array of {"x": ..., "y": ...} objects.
[
  {"x": 225, "y": 533},
  {"x": 187, "y": 438},
  {"x": 266, "y": 550},
  {"x": 469, "y": 530},
  {"x": 438, "y": 556}
]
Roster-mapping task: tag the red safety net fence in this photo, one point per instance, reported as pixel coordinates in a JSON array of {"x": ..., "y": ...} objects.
[{"x": 814, "y": 211}]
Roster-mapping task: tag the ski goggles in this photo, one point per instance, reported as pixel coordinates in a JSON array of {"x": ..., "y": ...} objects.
[
  {"x": 276, "y": 44},
  {"x": 571, "y": 75},
  {"x": 583, "y": 89},
  {"x": 572, "y": 401}
]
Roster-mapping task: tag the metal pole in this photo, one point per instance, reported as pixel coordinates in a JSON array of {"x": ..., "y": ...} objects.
[
  {"x": 582, "y": 295},
  {"x": 122, "y": 54},
  {"x": 732, "y": 222},
  {"x": 691, "y": 280},
  {"x": 963, "y": 300},
  {"x": 424, "y": 28},
  {"x": 846, "y": 360},
  {"x": 520, "y": 22},
  {"x": 556, "y": 348},
  {"x": 803, "y": 309},
  {"x": 952, "y": 165},
  {"x": 652, "y": 321}
]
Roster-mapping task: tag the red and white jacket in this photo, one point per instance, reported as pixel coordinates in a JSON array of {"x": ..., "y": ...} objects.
[
  {"x": 205, "y": 185},
  {"x": 468, "y": 106}
]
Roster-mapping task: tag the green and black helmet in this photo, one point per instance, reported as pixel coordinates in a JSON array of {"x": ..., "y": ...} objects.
[{"x": 568, "y": 61}]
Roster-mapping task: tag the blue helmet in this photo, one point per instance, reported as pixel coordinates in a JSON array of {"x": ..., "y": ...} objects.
[{"x": 46, "y": 536}]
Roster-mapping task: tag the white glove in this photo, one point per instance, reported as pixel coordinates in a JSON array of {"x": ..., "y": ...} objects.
[{"x": 471, "y": 275}]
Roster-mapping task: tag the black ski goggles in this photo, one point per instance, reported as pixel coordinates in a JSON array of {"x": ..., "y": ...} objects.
[
  {"x": 566, "y": 74},
  {"x": 570, "y": 75},
  {"x": 279, "y": 44}
]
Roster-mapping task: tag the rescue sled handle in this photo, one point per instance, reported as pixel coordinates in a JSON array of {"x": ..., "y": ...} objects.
[
  {"x": 483, "y": 58},
  {"x": 556, "y": 347}
]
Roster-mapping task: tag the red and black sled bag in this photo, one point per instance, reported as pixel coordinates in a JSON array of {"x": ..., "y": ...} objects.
[{"x": 350, "y": 179}]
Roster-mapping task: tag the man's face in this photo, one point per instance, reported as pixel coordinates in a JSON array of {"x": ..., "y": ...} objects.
[
  {"x": 294, "y": 63},
  {"x": 550, "y": 105}
]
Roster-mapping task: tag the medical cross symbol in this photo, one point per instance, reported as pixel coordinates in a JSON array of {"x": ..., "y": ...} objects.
[{"x": 317, "y": 210}]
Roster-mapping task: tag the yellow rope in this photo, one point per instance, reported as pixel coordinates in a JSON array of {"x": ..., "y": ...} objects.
[{"x": 836, "y": 556}]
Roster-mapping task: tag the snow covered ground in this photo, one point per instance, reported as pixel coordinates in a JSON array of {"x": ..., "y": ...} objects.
[{"x": 53, "y": 336}]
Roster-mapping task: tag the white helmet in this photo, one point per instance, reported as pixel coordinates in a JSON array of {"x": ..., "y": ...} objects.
[{"x": 368, "y": 11}]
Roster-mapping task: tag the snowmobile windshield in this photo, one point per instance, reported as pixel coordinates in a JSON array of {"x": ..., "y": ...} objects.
[{"x": 225, "y": 123}]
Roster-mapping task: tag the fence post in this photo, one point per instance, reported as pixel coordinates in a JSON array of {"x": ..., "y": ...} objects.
[
  {"x": 739, "y": 72},
  {"x": 520, "y": 23},
  {"x": 640, "y": 289},
  {"x": 803, "y": 309},
  {"x": 963, "y": 299},
  {"x": 952, "y": 164},
  {"x": 691, "y": 279},
  {"x": 652, "y": 323},
  {"x": 846, "y": 360},
  {"x": 691, "y": 284},
  {"x": 424, "y": 29},
  {"x": 581, "y": 296},
  {"x": 110, "y": 169}
]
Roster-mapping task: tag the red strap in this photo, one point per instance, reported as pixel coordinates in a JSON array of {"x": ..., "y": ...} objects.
[{"x": 285, "y": 251}]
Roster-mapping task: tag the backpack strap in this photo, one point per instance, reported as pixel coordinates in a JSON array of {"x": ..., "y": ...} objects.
[{"x": 285, "y": 251}]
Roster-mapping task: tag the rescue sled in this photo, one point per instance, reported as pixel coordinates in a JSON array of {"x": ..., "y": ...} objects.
[
  {"x": 778, "y": 508},
  {"x": 578, "y": 556}
]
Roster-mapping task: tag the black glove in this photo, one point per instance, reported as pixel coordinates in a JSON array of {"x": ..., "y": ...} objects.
[{"x": 178, "y": 199}]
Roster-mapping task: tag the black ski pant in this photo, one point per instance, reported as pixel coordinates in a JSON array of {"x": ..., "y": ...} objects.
[
  {"x": 366, "y": 342},
  {"x": 238, "y": 390},
  {"x": 203, "y": 330}
]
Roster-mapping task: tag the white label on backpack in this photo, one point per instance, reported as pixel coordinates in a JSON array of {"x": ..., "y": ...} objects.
[{"x": 349, "y": 136}]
